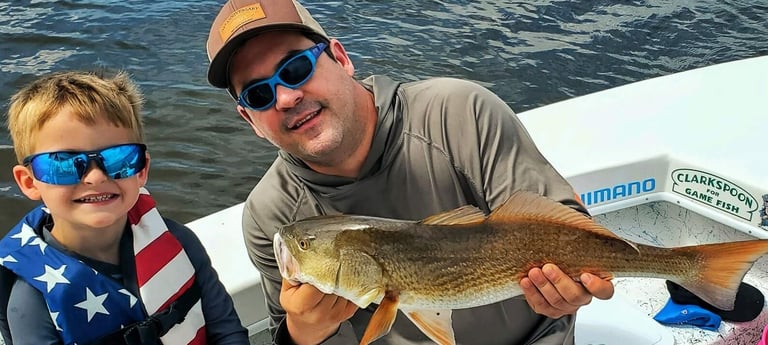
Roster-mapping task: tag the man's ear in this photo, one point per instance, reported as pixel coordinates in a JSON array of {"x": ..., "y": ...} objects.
[
  {"x": 244, "y": 114},
  {"x": 26, "y": 182},
  {"x": 340, "y": 54}
]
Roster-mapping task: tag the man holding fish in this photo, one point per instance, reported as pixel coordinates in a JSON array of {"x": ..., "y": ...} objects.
[{"x": 380, "y": 148}]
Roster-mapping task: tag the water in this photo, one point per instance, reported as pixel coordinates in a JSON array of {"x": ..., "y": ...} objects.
[{"x": 204, "y": 158}]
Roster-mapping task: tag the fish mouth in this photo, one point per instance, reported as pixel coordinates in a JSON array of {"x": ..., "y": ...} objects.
[{"x": 289, "y": 267}]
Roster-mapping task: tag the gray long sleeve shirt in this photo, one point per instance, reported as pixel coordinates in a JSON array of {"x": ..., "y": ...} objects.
[{"x": 439, "y": 144}]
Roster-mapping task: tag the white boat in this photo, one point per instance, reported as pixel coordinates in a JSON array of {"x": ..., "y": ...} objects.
[{"x": 675, "y": 160}]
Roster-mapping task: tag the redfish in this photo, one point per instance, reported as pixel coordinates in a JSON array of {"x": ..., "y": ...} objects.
[{"x": 463, "y": 259}]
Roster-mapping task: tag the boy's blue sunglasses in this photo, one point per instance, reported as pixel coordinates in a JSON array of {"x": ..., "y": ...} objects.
[
  {"x": 68, "y": 167},
  {"x": 291, "y": 74}
]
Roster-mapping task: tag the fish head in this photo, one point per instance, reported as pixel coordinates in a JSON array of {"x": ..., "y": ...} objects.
[
  {"x": 330, "y": 253},
  {"x": 289, "y": 267},
  {"x": 306, "y": 252}
]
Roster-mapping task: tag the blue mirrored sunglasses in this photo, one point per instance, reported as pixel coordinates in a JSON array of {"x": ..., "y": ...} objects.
[
  {"x": 291, "y": 74},
  {"x": 68, "y": 167}
]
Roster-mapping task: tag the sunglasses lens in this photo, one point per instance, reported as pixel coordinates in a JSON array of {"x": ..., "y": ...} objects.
[
  {"x": 297, "y": 71},
  {"x": 60, "y": 168},
  {"x": 258, "y": 96},
  {"x": 123, "y": 161}
]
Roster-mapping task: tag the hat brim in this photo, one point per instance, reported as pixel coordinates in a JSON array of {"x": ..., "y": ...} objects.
[{"x": 218, "y": 71}]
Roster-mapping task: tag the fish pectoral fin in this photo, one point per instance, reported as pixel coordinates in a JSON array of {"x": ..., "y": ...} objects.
[
  {"x": 369, "y": 297},
  {"x": 436, "y": 324},
  {"x": 382, "y": 319}
]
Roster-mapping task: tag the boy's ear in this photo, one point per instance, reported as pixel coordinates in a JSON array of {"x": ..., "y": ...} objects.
[
  {"x": 143, "y": 175},
  {"x": 26, "y": 182}
]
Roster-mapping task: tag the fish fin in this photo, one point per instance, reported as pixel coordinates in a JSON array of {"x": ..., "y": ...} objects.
[
  {"x": 436, "y": 324},
  {"x": 369, "y": 297},
  {"x": 463, "y": 215},
  {"x": 528, "y": 205},
  {"x": 722, "y": 267},
  {"x": 382, "y": 319}
]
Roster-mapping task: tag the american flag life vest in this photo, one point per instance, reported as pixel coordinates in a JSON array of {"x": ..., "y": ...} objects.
[{"x": 85, "y": 305}]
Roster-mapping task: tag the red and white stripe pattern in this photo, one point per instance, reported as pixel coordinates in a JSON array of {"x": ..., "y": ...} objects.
[{"x": 163, "y": 270}]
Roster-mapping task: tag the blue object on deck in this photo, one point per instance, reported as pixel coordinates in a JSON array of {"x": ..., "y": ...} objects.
[{"x": 688, "y": 314}]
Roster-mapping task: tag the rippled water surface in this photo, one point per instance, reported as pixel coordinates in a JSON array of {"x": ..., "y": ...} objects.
[{"x": 204, "y": 158}]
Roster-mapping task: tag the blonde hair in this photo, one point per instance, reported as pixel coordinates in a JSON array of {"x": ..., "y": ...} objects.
[{"x": 90, "y": 97}]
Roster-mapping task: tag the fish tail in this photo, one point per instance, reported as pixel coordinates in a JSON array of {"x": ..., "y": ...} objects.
[{"x": 721, "y": 268}]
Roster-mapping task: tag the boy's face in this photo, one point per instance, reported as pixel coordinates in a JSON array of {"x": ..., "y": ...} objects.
[{"x": 97, "y": 201}]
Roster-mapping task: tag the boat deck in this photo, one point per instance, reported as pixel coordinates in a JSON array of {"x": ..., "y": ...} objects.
[
  {"x": 667, "y": 224},
  {"x": 631, "y": 153}
]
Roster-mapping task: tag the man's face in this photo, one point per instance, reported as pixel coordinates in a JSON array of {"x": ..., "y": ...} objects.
[{"x": 316, "y": 121}]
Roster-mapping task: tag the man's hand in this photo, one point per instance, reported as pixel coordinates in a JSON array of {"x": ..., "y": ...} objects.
[
  {"x": 552, "y": 293},
  {"x": 312, "y": 316}
]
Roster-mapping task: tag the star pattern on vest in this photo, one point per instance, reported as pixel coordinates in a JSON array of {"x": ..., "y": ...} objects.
[
  {"x": 7, "y": 258},
  {"x": 54, "y": 317},
  {"x": 52, "y": 276},
  {"x": 93, "y": 304},
  {"x": 131, "y": 298},
  {"x": 25, "y": 234},
  {"x": 39, "y": 242}
]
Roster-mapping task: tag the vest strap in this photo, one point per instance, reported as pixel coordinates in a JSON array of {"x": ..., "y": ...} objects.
[{"x": 149, "y": 331}]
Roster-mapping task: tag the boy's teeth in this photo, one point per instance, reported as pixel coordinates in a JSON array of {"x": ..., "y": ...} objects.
[{"x": 97, "y": 198}]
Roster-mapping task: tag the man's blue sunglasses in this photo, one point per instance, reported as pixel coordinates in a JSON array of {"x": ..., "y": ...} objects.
[
  {"x": 68, "y": 167},
  {"x": 291, "y": 74}
]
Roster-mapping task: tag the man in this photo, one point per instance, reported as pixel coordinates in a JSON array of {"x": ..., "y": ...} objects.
[{"x": 379, "y": 148}]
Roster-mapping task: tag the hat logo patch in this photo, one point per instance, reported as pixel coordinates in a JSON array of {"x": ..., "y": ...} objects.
[{"x": 239, "y": 18}]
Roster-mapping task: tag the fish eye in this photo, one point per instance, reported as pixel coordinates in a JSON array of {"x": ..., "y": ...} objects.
[{"x": 305, "y": 241}]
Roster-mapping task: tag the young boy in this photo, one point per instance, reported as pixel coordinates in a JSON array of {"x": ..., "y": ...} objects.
[{"x": 96, "y": 263}]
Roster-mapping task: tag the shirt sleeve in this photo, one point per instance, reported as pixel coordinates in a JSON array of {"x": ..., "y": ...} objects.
[
  {"x": 28, "y": 317},
  {"x": 222, "y": 324},
  {"x": 261, "y": 253}
]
